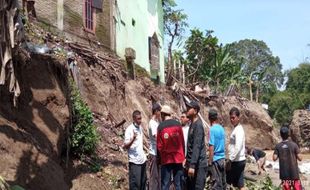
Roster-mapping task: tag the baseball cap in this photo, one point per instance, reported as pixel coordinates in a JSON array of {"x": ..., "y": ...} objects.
[
  {"x": 166, "y": 109},
  {"x": 193, "y": 104}
]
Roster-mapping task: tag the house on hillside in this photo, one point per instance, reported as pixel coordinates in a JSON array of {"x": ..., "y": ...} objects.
[
  {"x": 122, "y": 26},
  {"x": 139, "y": 25}
]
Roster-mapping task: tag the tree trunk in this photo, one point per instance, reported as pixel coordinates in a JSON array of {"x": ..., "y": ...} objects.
[
  {"x": 257, "y": 93},
  {"x": 183, "y": 74},
  {"x": 170, "y": 65},
  {"x": 174, "y": 68},
  {"x": 217, "y": 84},
  {"x": 251, "y": 93}
]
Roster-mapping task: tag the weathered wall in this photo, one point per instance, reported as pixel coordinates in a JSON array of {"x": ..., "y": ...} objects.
[
  {"x": 72, "y": 23},
  {"x": 156, "y": 24},
  {"x": 47, "y": 11},
  {"x": 103, "y": 26}
]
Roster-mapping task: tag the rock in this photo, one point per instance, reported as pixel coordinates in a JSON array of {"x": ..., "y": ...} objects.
[
  {"x": 304, "y": 168},
  {"x": 256, "y": 122},
  {"x": 300, "y": 128}
]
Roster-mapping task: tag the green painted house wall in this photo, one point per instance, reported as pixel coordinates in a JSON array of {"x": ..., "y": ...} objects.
[{"x": 135, "y": 22}]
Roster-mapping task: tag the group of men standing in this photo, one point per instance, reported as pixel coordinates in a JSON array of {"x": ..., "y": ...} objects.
[
  {"x": 177, "y": 153},
  {"x": 177, "y": 149}
]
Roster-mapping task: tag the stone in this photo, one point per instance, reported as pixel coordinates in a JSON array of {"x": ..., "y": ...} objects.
[{"x": 300, "y": 128}]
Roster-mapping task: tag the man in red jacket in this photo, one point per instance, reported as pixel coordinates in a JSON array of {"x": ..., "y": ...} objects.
[{"x": 170, "y": 146}]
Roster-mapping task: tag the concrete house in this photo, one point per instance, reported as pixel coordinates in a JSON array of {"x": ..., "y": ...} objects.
[
  {"x": 117, "y": 25},
  {"x": 139, "y": 25}
]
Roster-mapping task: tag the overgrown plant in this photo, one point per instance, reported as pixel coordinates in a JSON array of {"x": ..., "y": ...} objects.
[
  {"x": 5, "y": 186},
  {"x": 265, "y": 184},
  {"x": 84, "y": 136}
]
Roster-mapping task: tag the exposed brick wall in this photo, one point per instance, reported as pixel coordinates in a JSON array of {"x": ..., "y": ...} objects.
[
  {"x": 103, "y": 24},
  {"x": 73, "y": 21},
  {"x": 46, "y": 11},
  {"x": 73, "y": 16}
]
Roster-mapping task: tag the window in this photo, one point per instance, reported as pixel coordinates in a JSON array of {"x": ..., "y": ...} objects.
[
  {"x": 97, "y": 4},
  {"x": 89, "y": 16},
  {"x": 154, "y": 52},
  {"x": 133, "y": 22}
]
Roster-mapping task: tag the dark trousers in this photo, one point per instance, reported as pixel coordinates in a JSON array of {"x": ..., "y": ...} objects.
[
  {"x": 197, "y": 182},
  {"x": 154, "y": 173},
  {"x": 137, "y": 176},
  {"x": 235, "y": 175},
  {"x": 167, "y": 171},
  {"x": 218, "y": 175}
]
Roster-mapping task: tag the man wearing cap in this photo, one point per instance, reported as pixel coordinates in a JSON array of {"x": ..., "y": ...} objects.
[
  {"x": 137, "y": 159},
  {"x": 154, "y": 179},
  {"x": 217, "y": 152},
  {"x": 288, "y": 154},
  {"x": 170, "y": 146},
  {"x": 196, "y": 158}
]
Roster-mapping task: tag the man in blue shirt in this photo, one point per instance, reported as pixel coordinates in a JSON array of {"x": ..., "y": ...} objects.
[{"x": 217, "y": 152}]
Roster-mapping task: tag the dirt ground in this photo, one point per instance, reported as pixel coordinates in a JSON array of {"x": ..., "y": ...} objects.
[
  {"x": 32, "y": 134},
  {"x": 274, "y": 174}
]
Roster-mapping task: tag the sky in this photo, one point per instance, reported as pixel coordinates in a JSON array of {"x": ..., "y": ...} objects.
[{"x": 284, "y": 25}]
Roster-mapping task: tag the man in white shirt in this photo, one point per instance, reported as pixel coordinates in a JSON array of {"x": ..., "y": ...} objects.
[
  {"x": 185, "y": 126},
  {"x": 137, "y": 159},
  {"x": 154, "y": 178},
  {"x": 236, "y": 149}
]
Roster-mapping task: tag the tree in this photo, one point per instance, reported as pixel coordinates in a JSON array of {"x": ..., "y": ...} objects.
[
  {"x": 179, "y": 63},
  {"x": 258, "y": 63},
  {"x": 296, "y": 95},
  {"x": 209, "y": 61},
  {"x": 299, "y": 79},
  {"x": 174, "y": 26},
  {"x": 281, "y": 107},
  {"x": 200, "y": 50}
]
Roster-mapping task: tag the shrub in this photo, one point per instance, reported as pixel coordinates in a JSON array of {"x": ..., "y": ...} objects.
[
  {"x": 84, "y": 136},
  {"x": 265, "y": 184}
]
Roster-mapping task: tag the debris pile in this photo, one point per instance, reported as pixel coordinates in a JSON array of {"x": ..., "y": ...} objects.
[
  {"x": 254, "y": 118},
  {"x": 11, "y": 36},
  {"x": 300, "y": 128}
]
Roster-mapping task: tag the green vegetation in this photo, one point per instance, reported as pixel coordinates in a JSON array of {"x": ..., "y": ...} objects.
[
  {"x": 295, "y": 96},
  {"x": 84, "y": 136},
  {"x": 210, "y": 62},
  {"x": 265, "y": 184},
  {"x": 247, "y": 65},
  {"x": 174, "y": 26},
  {"x": 5, "y": 186},
  {"x": 259, "y": 66}
]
